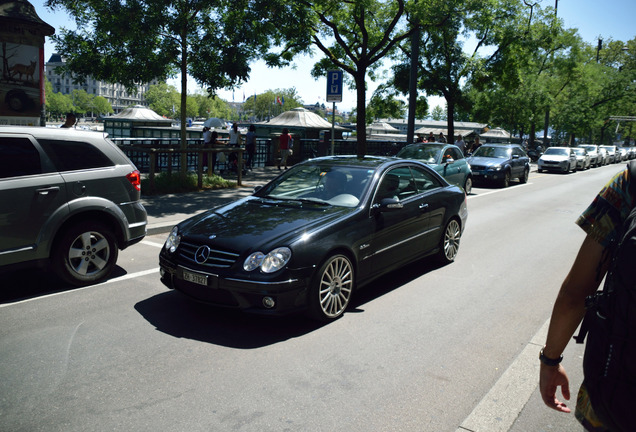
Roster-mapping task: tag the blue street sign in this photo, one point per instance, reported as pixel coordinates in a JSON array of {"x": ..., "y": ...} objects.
[{"x": 334, "y": 86}]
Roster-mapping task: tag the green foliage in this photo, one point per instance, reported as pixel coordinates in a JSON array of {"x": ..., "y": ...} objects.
[
  {"x": 354, "y": 36},
  {"x": 265, "y": 105},
  {"x": 79, "y": 102},
  {"x": 384, "y": 104},
  {"x": 166, "y": 183}
]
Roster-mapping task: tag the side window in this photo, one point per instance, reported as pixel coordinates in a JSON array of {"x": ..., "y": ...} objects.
[
  {"x": 75, "y": 155},
  {"x": 18, "y": 157},
  {"x": 457, "y": 154},
  {"x": 424, "y": 181},
  {"x": 394, "y": 184}
]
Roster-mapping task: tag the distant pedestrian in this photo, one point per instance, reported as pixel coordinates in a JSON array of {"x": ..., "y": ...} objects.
[
  {"x": 284, "y": 141},
  {"x": 207, "y": 143},
  {"x": 235, "y": 136},
  {"x": 214, "y": 143},
  {"x": 461, "y": 144},
  {"x": 441, "y": 138},
  {"x": 476, "y": 144},
  {"x": 70, "y": 122},
  {"x": 250, "y": 146},
  {"x": 431, "y": 137}
]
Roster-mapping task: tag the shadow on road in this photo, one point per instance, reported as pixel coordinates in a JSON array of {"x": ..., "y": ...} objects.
[{"x": 179, "y": 316}]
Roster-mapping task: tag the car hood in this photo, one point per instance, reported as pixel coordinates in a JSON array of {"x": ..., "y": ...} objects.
[
  {"x": 484, "y": 161},
  {"x": 256, "y": 223},
  {"x": 554, "y": 158}
]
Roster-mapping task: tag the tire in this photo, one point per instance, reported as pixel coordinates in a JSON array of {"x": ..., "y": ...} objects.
[
  {"x": 331, "y": 289},
  {"x": 449, "y": 243},
  {"x": 468, "y": 185},
  {"x": 524, "y": 177},
  {"x": 505, "y": 182},
  {"x": 85, "y": 254}
]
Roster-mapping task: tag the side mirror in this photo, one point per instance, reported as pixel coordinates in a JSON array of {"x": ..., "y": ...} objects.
[{"x": 449, "y": 160}]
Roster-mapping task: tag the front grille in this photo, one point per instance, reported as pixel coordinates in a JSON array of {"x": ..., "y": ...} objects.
[
  {"x": 477, "y": 167},
  {"x": 218, "y": 258}
]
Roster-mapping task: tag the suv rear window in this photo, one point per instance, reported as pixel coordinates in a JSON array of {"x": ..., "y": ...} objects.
[
  {"x": 18, "y": 157},
  {"x": 75, "y": 155}
]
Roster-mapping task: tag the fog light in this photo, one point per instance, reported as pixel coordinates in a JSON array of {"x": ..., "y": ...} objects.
[{"x": 268, "y": 302}]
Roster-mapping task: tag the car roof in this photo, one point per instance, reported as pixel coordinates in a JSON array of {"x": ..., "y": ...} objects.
[
  {"x": 353, "y": 160},
  {"x": 432, "y": 144},
  {"x": 500, "y": 145},
  {"x": 52, "y": 132}
]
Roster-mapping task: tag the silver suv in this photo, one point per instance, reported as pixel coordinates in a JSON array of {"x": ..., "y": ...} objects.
[{"x": 69, "y": 199}]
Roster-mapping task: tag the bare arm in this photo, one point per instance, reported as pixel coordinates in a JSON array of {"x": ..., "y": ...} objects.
[{"x": 584, "y": 278}]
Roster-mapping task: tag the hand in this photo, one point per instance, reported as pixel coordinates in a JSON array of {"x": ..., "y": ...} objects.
[{"x": 550, "y": 378}]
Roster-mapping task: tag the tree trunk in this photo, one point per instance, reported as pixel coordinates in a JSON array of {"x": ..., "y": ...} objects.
[
  {"x": 184, "y": 99},
  {"x": 450, "y": 115},
  {"x": 361, "y": 120}
]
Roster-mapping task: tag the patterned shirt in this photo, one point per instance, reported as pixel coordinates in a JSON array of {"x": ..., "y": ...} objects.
[{"x": 602, "y": 221}]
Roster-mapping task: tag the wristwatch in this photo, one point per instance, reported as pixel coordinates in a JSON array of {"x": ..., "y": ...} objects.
[{"x": 549, "y": 361}]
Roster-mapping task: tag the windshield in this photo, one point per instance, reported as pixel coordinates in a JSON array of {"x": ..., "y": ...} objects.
[
  {"x": 321, "y": 184},
  {"x": 493, "y": 152},
  {"x": 428, "y": 153},
  {"x": 557, "y": 151},
  {"x": 579, "y": 151}
]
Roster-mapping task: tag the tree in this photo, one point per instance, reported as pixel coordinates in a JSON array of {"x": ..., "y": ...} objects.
[
  {"x": 385, "y": 104},
  {"x": 102, "y": 106},
  {"x": 213, "y": 41},
  {"x": 438, "y": 114},
  {"x": 56, "y": 103},
  {"x": 163, "y": 99},
  {"x": 443, "y": 64},
  {"x": 355, "y": 36},
  {"x": 266, "y": 105}
]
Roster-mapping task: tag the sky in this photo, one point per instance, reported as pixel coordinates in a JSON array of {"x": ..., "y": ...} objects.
[{"x": 594, "y": 19}]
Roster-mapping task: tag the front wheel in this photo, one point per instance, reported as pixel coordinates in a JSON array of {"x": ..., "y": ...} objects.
[
  {"x": 85, "y": 254},
  {"x": 468, "y": 185},
  {"x": 449, "y": 243},
  {"x": 331, "y": 289},
  {"x": 505, "y": 182}
]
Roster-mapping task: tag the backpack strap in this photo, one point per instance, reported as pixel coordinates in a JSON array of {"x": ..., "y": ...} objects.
[{"x": 590, "y": 301}]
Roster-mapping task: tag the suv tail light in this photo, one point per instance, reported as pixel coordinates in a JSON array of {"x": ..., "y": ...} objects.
[{"x": 135, "y": 179}]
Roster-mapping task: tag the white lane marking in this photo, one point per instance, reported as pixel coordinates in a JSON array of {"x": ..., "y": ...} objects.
[
  {"x": 151, "y": 243},
  {"x": 498, "y": 190},
  {"x": 76, "y": 290},
  {"x": 499, "y": 409}
]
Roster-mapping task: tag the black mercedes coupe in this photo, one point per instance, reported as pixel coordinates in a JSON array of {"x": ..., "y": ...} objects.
[{"x": 313, "y": 235}]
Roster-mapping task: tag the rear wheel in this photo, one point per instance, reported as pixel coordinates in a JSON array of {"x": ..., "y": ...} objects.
[
  {"x": 85, "y": 254},
  {"x": 449, "y": 243},
  {"x": 524, "y": 177},
  {"x": 331, "y": 289}
]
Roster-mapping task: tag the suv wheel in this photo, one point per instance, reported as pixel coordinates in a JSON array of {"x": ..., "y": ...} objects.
[{"x": 85, "y": 254}]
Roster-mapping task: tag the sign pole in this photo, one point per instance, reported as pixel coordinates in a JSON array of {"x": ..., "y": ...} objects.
[
  {"x": 333, "y": 128},
  {"x": 334, "y": 94}
]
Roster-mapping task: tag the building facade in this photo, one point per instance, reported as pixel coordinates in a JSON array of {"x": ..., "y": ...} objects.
[{"x": 116, "y": 94}]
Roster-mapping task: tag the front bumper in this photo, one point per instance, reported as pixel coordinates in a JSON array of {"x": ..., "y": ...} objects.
[{"x": 288, "y": 294}]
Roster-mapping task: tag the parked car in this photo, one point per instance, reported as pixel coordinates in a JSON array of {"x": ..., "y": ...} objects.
[
  {"x": 583, "y": 161},
  {"x": 557, "y": 159},
  {"x": 623, "y": 152},
  {"x": 314, "y": 234},
  {"x": 592, "y": 151},
  {"x": 500, "y": 163},
  {"x": 69, "y": 200},
  {"x": 447, "y": 159},
  {"x": 603, "y": 156},
  {"x": 611, "y": 153}
]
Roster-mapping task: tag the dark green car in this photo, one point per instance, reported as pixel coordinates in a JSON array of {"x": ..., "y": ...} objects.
[{"x": 447, "y": 159}]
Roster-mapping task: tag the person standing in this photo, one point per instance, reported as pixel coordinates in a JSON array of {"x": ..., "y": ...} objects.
[
  {"x": 70, "y": 122},
  {"x": 431, "y": 137},
  {"x": 441, "y": 138},
  {"x": 461, "y": 144},
  {"x": 250, "y": 146},
  {"x": 602, "y": 221},
  {"x": 284, "y": 141},
  {"x": 207, "y": 143}
]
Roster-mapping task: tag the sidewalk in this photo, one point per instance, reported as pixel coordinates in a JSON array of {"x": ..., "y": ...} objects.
[{"x": 165, "y": 211}]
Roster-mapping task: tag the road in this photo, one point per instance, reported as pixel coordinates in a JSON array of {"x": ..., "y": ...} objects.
[{"x": 422, "y": 349}]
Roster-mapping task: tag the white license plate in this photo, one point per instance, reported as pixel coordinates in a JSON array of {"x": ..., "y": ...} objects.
[{"x": 195, "y": 278}]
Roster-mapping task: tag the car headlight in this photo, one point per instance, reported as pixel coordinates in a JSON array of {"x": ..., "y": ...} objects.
[
  {"x": 495, "y": 168},
  {"x": 173, "y": 240},
  {"x": 270, "y": 263}
]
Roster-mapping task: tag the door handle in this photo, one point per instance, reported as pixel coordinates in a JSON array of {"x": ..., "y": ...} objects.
[
  {"x": 46, "y": 191},
  {"x": 423, "y": 207}
]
